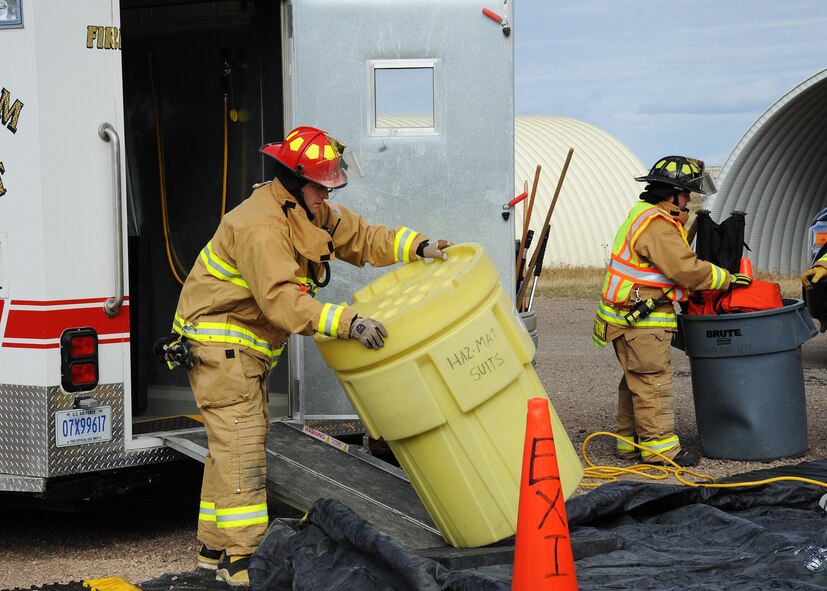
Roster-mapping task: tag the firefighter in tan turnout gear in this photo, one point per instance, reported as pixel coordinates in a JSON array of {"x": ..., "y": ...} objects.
[
  {"x": 252, "y": 286},
  {"x": 651, "y": 267}
]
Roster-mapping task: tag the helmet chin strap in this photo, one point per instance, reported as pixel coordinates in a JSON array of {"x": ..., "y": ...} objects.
[
  {"x": 676, "y": 202},
  {"x": 300, "y": 199}
]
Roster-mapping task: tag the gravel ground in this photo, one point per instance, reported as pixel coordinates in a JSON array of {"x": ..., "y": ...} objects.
[{"x": 141, "y": 541}]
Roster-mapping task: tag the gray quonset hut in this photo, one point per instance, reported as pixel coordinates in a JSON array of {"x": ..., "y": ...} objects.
[{"x": 777, "y": 174}]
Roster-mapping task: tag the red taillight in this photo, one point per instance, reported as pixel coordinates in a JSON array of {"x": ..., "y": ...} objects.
[
  {"x": 82, "y": 346},
  {"x": 84, "y": 374},
  {"x": 79, "y": 359}
]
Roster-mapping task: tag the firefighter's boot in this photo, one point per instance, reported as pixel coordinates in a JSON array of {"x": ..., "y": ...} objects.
[
  {"x": 208, "y": 558},
  {"x": 233, "y": 570},
  {"x": 686, "y": 458}
]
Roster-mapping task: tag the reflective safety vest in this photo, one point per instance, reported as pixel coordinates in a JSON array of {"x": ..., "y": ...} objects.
[{"x": 626, "y": 269}]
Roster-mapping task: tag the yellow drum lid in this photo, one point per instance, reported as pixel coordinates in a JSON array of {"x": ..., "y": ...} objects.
[{"x": 414, "y": 302}]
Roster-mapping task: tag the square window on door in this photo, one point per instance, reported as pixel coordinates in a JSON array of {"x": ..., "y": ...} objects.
[{"x": 404, "y": 102}]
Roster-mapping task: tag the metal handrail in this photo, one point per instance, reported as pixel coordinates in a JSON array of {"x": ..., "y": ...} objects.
[{"x": 108, "y": 134}]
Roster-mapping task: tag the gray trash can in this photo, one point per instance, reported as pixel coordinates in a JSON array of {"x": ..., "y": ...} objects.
[
  {"x": 748, "y": 381},
  {"x": 529, "y": 319}
]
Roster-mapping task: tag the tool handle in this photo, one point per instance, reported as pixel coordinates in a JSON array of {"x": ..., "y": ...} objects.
[
  {"x": 528, "y": 238},
  {"x": 517, "y": 199},
  {"x": 538, "y": 268},
  {"x": 492, "y": 15},
  {"x": 546, "y": 227}
]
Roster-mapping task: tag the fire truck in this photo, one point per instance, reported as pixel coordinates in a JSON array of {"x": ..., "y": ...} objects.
[{"x": 128, "y": 128}]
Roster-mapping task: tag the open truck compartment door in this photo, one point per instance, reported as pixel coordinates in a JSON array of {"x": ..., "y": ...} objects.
[{"x": 423, "y": 93}]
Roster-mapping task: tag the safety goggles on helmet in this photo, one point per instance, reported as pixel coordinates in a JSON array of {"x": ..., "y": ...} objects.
[
  {"x": 682, "y": 173},
  {"x": 315, "y": 156},
  {"x": 702, "y": 184}
]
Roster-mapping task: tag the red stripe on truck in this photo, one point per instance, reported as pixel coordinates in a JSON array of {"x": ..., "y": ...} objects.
[{"x": 46, "y": 320}]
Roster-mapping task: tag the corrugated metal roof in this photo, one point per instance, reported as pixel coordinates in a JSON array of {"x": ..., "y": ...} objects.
[
  {"x": 778, "y": 176},
  {"x": 597, "y": 193}
]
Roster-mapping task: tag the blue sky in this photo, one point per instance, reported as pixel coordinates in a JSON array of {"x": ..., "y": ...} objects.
[{"x": 665, "y": 77}]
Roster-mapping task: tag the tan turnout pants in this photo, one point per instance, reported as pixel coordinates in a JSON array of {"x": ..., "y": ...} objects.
[
  {"x": 230, "y": 387},
  {"x": 646, "y": 400}
]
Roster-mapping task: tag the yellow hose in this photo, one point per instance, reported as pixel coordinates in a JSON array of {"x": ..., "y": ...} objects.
[
  {"x": 224, "y": 180},
  {"x": 162, "y": 178},
  {"x": 653, "y": 472}
]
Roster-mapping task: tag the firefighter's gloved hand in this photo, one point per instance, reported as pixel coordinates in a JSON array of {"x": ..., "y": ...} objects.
[
  {"x": 813, "y": 275},
  {"x": 370, "y": 332},
  {"x": 173, "y": 350},
  {"x": 739, "y": 280},
  {"x": 434, "y": 250},
  {"x": 179, "y": 354}
]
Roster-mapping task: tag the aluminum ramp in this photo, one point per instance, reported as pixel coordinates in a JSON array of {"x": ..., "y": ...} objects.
[{"x": 304, "y": 465}]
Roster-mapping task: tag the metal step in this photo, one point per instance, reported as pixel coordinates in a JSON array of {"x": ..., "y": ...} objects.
[{"x": 304, "y": 465}]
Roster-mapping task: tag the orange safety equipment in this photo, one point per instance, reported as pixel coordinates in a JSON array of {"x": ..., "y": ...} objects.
[
  {"x": 682, "y": 173},
  {"x": 627, "y": 269},
  {"x": 313, "y": 155},
  {"x": 631, "y": 275}
]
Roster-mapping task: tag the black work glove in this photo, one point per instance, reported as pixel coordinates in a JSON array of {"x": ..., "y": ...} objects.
[
  {"x": 173, "y": 350},
  {"x": 368, "y": 331},
  {"x": 739, "y": 280}
]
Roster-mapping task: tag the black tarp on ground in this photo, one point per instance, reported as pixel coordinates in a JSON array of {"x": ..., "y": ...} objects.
[
  {"x": 627, "y": 535},
  {"x": 671, "y": 537},
  {"x": 334, "y": 549}
]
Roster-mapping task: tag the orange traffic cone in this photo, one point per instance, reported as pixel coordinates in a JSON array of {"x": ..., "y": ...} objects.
[
  {"x": 746, "y": 268},
  {"x": 543, "y": 558}
]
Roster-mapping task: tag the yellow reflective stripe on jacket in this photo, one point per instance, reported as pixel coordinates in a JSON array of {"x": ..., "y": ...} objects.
[
  {"x": 220, "y": 332},
  {"x": 207, "y": 511},
  {"x": 657, "y": 319},
  {"x": 402, "y": 244},
  {"x": 718, "y": 277},
  {"x": 241, "y": 516},
  {"x": 658, "y": 445},
  {"x": 220, "y": 268},
  {"x": 329, "y": 319}
]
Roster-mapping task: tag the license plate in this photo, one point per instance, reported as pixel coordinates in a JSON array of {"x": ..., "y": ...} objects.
[{"x": 82, "y": 426}]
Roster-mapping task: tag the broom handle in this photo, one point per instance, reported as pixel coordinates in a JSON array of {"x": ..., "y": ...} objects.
[
  {"x": 526, "y": 220},
  {"x": 544, "y": 235}
]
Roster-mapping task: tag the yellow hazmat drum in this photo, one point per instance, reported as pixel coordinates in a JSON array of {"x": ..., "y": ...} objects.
[{"x": 449, "y": 390}]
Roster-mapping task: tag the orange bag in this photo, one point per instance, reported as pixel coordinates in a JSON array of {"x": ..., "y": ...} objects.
[{"x": 760, "y": 295}]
